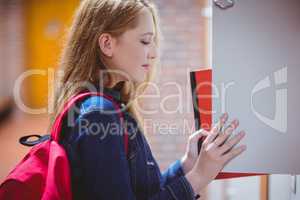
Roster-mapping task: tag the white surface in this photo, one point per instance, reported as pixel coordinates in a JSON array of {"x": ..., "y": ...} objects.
[
  {"x": 256, "y": 54},
  {"x": 246, "y": 188},
  {"x": 280, "y": 187}
]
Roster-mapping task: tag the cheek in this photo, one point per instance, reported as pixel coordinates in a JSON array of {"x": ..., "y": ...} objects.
[
  {"x": 135, "y": 55},
  {"x": 130, "y": 57},
  {"x": 126, "y": 59},
  {"x": 138, "y": 50},
  {"x": 141, "y": 54}
]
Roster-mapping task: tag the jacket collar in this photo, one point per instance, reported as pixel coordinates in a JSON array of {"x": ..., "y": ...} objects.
[{"x": 115, "y": 94}]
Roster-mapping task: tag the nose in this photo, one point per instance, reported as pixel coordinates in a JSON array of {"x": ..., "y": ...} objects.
[{"x": 153, "y": 52}]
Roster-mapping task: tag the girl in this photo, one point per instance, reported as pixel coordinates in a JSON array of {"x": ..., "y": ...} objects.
[{"x": 113, "y": 47}]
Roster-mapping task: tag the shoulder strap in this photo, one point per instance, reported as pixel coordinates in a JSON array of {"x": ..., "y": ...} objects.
[{"x": 57, "y": 126}]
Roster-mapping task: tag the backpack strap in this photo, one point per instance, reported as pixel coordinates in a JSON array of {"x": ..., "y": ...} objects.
[
  {"x": 27, "y": 141},
  {"x": 57, "y": 126}
]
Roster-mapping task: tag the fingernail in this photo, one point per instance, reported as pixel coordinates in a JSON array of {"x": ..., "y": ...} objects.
[{"x": 232, "y": 125}]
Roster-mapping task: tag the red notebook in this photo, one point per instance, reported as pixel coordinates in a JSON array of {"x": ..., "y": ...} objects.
[{"x": 201, "y": 85}]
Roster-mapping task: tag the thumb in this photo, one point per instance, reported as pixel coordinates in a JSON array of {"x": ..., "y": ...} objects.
[{"x": 199, "y": 134}]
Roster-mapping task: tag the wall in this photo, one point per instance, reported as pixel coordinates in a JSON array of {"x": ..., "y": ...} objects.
[
  {"x": 11, "y": 45},
  {"x": 284, "y": 187},
  {"x": 183, "y": 27},
  {"x": 46, "y": 25}
]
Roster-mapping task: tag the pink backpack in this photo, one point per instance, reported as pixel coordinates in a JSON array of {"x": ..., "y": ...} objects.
[{"x": 44, "y": 173}]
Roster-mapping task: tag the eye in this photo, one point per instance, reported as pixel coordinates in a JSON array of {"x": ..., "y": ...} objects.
[{"x": 145, "y": 43}]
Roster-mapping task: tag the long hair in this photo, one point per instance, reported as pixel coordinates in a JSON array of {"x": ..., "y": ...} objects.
[{"x": 81, "y": 59}]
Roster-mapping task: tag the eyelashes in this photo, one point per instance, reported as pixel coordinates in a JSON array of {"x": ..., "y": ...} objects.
[{"x": 145, "y": 43}]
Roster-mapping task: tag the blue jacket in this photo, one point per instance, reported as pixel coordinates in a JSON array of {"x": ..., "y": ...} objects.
[{"x": 99, "y": 167}]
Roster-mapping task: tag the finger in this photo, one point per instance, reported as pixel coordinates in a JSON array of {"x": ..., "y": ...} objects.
[
  {"x": 197, "y": 139},
  {"x": 233, "y": 153},
  {"x": 208, "y": 140},
  {"x": 199, "y": 134},
  {"x": 228, "y": 131},
  {"x": 227, "y": 146},
  {"x": 219, "y": 125},
  {"x": 216, "y": 129}
]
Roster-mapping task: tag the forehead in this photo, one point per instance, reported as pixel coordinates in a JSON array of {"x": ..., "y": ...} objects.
[
  {"x": 145, "y": 20},
  {"x": 144, "y": 24}
]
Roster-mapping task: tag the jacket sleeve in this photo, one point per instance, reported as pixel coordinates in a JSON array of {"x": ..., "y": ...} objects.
[
  {"x": 104, "y": 164},
  {"x": 172, "y": 172}
]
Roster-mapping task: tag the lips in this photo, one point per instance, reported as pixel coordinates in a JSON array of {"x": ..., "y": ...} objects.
[{"x": 145, "y": 66}]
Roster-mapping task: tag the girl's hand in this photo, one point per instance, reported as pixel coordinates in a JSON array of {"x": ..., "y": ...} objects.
[
  {"x": 191, "y": 154},
  {"x": 189, "y": 159},
  {"x": 216, "y": 152}
]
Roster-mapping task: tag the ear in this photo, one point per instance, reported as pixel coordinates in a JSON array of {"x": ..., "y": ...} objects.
[{"x": 107, "y": 44}]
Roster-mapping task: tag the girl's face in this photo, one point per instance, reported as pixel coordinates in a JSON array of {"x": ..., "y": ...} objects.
[{"x": 133, "y": 51}]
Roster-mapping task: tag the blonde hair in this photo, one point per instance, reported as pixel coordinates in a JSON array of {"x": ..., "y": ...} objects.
[{"x": 81, "y": 58}]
